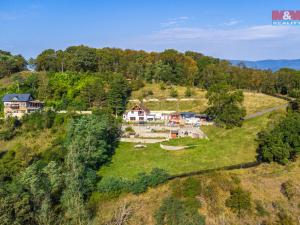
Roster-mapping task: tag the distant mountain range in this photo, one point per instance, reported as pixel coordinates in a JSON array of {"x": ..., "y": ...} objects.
[{"x": 273, "y": 65}]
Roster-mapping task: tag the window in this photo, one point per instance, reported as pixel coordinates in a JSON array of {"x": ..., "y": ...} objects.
[
  {"x": 141, "y": 118},
  {"x": 132, "y": 118}
]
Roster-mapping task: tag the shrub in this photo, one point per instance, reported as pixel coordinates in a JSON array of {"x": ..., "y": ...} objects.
[
  {"x": 113, "y": 185},
  {"x": 261, "y": 211},
  {"x": 9, "y": 165},
  {"x": 211, "y": 193},
  {"x": 129, "y": 129},
  {"x": 116, "y": 186},
  {"x": 175, "y": 212},
  {"x": 288, "y": 189},
  {"x": 236, "y": 179},
  {"x": 284, "y": 219},
  {"x": 157, "y": 176},
  {"x": 162, "y": 86},
  {"x": 188, "y": 92},
  {"x": 38, "y": 120},
  {"x": 146, "y": 93},
  {"x": 239, "y": 201},
  {"x": 149, "y": 92},
  {"x": 221, "y": 181},
  {"x": 173, "y": 93},
  {"x": 190, "y": 187},
  {"x": 141, "y": 184},
  {"x": 9, "y": 127},
  {"x": 137, "y": 84},
  {"x": 192, "y": 203},
  {"x": 7, "y": 134}
]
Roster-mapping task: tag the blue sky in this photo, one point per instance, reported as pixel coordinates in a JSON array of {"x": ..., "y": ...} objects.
[{"x": 228, "y": 29}]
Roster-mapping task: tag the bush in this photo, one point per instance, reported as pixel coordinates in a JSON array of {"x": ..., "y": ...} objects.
[
  {"x": 190, "y": 187},
  {"x": 116, "y": 186},
  {"x": 239, "y": 201},
  {"x": 192, "y": 203},
  {"x": 9, "y": 127},
  {"x": 236, "y": 179},
  {"x": 146, "y": 93},
  {"x": 9, "y": 165},
  {"x": 173, "y": 93},
  {"x": 288, "y": 189},
  {"x": 188, "y": 92},
  {"x": 284, "y": 219},
  {"x": 212, "y": 193},
  {"x": 141, "y": 184},
  {"x": 175, "y": 212},
  {"x": 261, "y": 211},
  {"x": 7, "y": 134},
  {"x": 137, "y": 84},
  {"x": 162, "y": 86},
  {"x": 113, "y": 185},
  {"x": 38, "y": 120},
  {"x": 129, "y": 130},
  {"x": 157, "y": 176}
]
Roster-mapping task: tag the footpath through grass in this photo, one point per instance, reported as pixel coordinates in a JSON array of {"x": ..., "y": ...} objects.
[{"x": 224, "y": 147}]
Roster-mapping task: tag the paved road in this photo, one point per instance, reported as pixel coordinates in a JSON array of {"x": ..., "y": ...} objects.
[{"x": 265, "y": 111}]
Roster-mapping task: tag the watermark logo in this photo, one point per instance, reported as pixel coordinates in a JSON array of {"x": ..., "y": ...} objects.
[{"x": 286, "y": 17}]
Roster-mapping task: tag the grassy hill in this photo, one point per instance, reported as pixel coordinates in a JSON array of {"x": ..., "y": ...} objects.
[
  {"x": 263, "y": 182},
  {"x": 253, "y": 102},
  {"x": 223, "y": 148}
]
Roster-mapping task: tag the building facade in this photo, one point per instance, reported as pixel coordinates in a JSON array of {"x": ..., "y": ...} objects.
[
  {"x": 17, "y": 105},
  {"x": 137, "y": 114}
]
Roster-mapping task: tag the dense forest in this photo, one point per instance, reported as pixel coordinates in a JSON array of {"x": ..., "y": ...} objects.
[
  {"x": 81, "y": 77},
  {"x": 55, "y": 186}
]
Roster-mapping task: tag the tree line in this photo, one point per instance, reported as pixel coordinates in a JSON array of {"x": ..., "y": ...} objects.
[{"x": 170, "y": 66}]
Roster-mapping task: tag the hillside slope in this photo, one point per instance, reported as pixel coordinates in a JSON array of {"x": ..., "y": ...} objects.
[
  {"x": 161, "y": 100},
  {"x": 269, "y": 204}
]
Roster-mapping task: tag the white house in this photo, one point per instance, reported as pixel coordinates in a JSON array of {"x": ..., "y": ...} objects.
[{"x": 138, "y": 113}]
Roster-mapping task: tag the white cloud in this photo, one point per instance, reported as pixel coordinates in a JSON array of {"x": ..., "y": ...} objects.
[
  {"x": 175, "y": 21},
  {"x": 231, "y": 22},
  {"x": 262, "y": 32},
  {"x": 246, "y": 43},
  {"x": 183, "y": 18}
]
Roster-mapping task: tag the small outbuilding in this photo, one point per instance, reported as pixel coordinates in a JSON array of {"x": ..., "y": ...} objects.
[{"x": 174, "y": 134}]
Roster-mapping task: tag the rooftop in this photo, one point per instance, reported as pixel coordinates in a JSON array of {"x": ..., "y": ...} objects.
[{"x": 17, "y": 98}]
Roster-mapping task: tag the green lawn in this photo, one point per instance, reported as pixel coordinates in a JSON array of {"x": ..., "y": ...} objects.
[{"x": 224, "y": 147}]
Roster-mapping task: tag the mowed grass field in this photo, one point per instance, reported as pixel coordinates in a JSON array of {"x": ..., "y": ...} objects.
[
  {"x": 224, "y": 147},
  {"x": 253, "y": 102}
]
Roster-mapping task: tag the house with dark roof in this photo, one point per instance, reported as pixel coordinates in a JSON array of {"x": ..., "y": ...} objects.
[{"x": 17, "y": 105}]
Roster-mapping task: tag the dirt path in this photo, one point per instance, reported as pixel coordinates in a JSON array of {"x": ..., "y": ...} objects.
[{"x": 265, "y": 111}]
